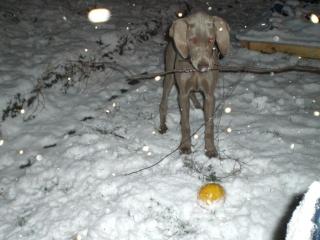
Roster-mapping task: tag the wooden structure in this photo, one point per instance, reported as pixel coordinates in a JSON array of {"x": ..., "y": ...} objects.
[{"x": 272, "y": 47}]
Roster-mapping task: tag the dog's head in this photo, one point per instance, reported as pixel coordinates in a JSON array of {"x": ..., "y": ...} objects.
[{"x": 197, "y": 36}]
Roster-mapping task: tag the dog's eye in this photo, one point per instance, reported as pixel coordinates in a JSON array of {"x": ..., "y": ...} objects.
[
  {"x": 193, "y": 40},
  {"x": 211, "y": 40}
]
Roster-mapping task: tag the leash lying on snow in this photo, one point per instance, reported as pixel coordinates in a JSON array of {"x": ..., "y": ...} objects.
[{"x": 233, "y": 68}]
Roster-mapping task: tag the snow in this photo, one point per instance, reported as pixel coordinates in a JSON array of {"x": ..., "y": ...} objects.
[
  {"x": 292, "y": 31},
  {"x": 84, "y": 135},
  {"x": 290, "y": 26}
]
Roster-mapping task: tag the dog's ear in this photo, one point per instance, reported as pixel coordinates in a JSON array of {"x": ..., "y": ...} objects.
[
  {"x": 222, "y": 34},
  {"x": 178, "y": 31}
]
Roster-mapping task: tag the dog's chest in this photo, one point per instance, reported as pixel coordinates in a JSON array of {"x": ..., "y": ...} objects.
[{"x": 194, "y": 81}]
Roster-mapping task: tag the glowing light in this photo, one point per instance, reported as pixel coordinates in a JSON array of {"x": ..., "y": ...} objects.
[
  {"x": 145, "y": 148},
  {"x": 153, "y": 132},
  {"x": 180, "y": 14},
  {"x": 316, "y": 113},
  {"x": 227, "y": 110},
  {"x": 107, "y": 111},
  {"x": 127, "y": 28},
  {"x": 96, "y": 27},
  {"x": 299, "y": 57},
  {"x": 196, "y": 136},
  {"x": 39, "y": 157},
  {"x": 149, "y": 154},
  {"x": 229, "y": 130},
  {"x": 263, "y": 24},
  {"x": 69, "y": 78},
  {"x": 64, "y": 18},
  {"x": 209, "y": 8},
  {"x": 157, "y": 78},
  {"x": 314, "y": 18},
  {"x": 276, "y": 38},
  {"x": 22, "y": 111},
  {"x": 1, "y": 142},
  {"x": 99, "y": 15},
  {"x": 21, "y": 152},
  {"x": 221, "y": 29},
  {"x": 292, "y": 146},
  {"x": 86, "y": 49},
  {"x": 114, "y": 104}
]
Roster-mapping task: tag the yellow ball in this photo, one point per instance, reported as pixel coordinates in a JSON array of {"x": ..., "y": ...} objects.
[{"x": 210, "y": 193}]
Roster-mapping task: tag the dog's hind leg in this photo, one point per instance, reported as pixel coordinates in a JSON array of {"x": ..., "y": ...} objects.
[
  {"x": 195, "y": 101},
  {"x": 185, "y": 145},
  {"x": 209, "y": 105},
  {"x": 167, "y": 86}
]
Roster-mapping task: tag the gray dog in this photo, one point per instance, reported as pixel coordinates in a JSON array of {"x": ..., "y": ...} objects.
[{"x": 197, "y": 42}]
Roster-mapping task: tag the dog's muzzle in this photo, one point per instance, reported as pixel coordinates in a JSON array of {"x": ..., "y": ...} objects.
[{"x": 203, "y": 67}]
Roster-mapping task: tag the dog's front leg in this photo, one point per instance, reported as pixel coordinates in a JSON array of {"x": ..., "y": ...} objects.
[
  {"x": 185, "y": 145},
  {"x": 209, "y": 104}
]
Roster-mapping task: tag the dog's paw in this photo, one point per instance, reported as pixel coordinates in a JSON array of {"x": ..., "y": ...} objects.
[
  {"x": 211, "y": 153},
  {"x": 185, "y": 150},
  {"x": 163, "y": 129}
]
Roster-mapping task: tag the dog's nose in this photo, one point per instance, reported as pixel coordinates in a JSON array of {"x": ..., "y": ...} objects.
[{"x": 203, "y": 67}]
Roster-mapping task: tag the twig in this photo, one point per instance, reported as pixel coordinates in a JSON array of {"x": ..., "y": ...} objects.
[
  {"x": 233, "y": 68},
  {"x": 39, "y": 95},
  {"x": 258, "y": 70},
  {"x": 112, "y": 65},
  {"x": 155, "y": 74},
  {"x": 236, "y": 170}
]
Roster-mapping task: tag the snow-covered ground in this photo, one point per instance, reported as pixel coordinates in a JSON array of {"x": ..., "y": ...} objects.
[
  {"x": 64, "y": 158},
  {"x": 290, "y": 24}
]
